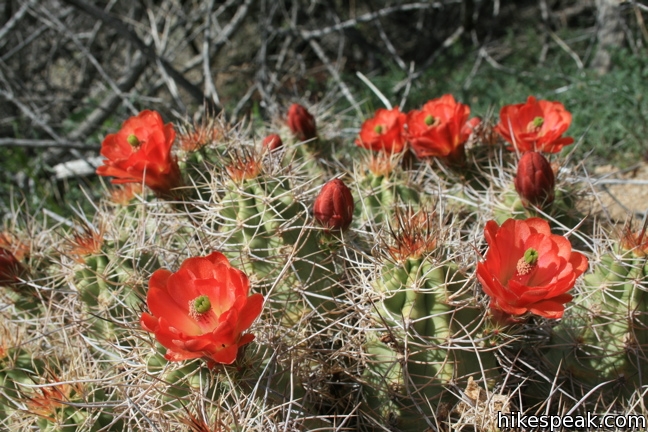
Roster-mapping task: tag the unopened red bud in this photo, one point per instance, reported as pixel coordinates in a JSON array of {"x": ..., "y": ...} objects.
[
  {"x": 334, "y": 206},
  {"x": 535, "y": 180},
  {"x": 301, "y": 123},
  {"x": 272, "y": 142}
]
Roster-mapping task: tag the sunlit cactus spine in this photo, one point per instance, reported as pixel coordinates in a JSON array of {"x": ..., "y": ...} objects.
[
  {"x": 266, "y": 225},
  {"x": 425, "y": 330},
  {"x": 102, "y": 276},
  {"x": 534, "y": 193},
  {"x": 381, "y": 185}
]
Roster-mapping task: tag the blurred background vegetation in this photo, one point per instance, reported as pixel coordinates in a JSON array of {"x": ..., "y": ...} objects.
[{"x": 72, "y": 70}]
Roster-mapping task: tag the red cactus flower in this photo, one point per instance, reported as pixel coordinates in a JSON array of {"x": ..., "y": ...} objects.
[
  {"x": 333, "y": 207},
  {"x": 201, "y": 310},
  {"x": 535, "y": 126},
  {"x": 528, "y": 269},
  {"x": 384, "y": 131},
  {"x": 141, "y": 151},
  {"x": 301, "y": 123},
  {"x": 272, "y": 142},
  {"x": 535, "y": 180},
  {"x": 440, "y": 129}
]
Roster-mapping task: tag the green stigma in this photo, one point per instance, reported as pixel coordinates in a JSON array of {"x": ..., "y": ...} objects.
[
  {"x": 132, "y": 140},
  {"x": 202, "y": 304},
  {"x": 429, "y": 120},
  {"x": 378, "y": 129},
  {"x": 537, "y": 122},
  {"x": 531, "y": 256}
]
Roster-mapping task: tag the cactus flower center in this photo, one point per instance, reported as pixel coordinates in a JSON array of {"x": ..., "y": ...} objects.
[
  {"x": 199, "y": 306},
  {"x": 132, "y": 140},
  {"x": 535, "y": 124},
  {"x": 429, "y": 120},
  {"x": 378, "y": 129},
  {"x": 526, "y": 263}
]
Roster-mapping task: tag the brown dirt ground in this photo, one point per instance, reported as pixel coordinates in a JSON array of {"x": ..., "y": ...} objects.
[{"x": 626, "y": 198}]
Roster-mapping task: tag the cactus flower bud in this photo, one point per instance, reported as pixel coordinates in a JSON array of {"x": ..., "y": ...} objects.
[
  {"x": 535, "y": 180},
  {"x": 301, "y": 123},
  {"x": 334, "y": 206},
  {"x": 272, "y": 142}
]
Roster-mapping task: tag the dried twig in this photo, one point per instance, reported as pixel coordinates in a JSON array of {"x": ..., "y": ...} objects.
[
  {"x": 40, "y": 143},
  {"x": 147, "y": 50}
]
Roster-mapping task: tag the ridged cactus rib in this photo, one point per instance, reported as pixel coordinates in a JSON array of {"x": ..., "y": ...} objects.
[
  {"x": 380, "y": 193},
  {"x": 411, "y": 362},
  {"x": 604, "y": 337}
]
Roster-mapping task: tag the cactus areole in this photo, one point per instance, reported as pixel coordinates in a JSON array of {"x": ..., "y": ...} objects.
[{"x": 528, "y": 269}]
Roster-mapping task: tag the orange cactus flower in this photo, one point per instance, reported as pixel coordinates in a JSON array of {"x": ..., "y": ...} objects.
[
  {"x": 301, "y": 123},
  {"x": 528, "y": 269},
  {"x": 201, "y": 310},
  {"x": 141, "y": 152},
  {"x": 535, "y": 126},
  {"x": 440, "y": 128},
  {"x": 333, "y": 207},
  {"x": 384, "y": 131}
]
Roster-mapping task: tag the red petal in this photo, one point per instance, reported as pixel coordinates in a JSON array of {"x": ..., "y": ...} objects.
[
  {"x": 250, "y": 312},
  {"x": 149, "y": 322},
  {"x": 226, "y": 355},
  {"x": 161, "y": 304}
]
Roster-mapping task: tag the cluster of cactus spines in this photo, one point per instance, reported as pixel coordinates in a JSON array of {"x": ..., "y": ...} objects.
[
  {"x": 604, "y": 336},
  {"x": 373, "y": 317}
]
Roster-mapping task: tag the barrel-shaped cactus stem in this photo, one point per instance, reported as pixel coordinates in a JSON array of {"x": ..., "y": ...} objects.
[
  {"x": 604, "y": 336},
  {"x": 430, "y": 328},
  {"x": 381, "y": 184}
]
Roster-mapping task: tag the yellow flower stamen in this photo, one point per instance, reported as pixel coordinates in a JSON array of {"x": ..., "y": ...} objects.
[
  {"x": 132, "y": 140},
  {"x": 199, "y": 306},
  {"x": 526, "y": 263}
]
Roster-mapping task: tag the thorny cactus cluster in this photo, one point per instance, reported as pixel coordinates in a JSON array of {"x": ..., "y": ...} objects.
[{"x": 425, "y": 278}]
